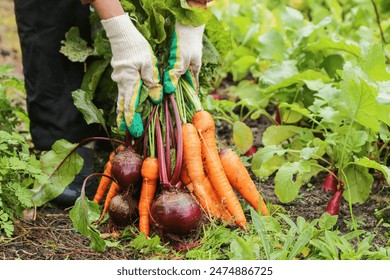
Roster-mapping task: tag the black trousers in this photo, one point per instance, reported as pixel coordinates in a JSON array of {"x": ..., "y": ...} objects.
[{"x": 49, "y": 76}]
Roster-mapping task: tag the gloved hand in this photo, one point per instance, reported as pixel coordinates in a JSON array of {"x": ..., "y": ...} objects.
[
  {"x": 133, "y": 64},
  {"x": 185, "y": 57}
]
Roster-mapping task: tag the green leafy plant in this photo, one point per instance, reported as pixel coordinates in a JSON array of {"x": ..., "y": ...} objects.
[
  {"x": 281, "y": 238},
  {"x": 11, "y": 114},
  {"x": 347, "y": 117},
  {"x": 267, "y": 238},
  {"x": 327, "y": 81},
  {"x": 83, "y": 215},
  {"x": 60, "y": 165},
  {"x": 19, "y": 168}
]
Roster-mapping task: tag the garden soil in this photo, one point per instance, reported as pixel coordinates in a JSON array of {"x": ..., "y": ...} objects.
[{"x": 48, "y": 234}]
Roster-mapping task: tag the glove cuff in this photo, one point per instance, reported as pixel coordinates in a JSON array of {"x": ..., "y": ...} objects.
[
  {"x": 189, "y": 32},
  {"x": 124, "y": 37},
  {"x": 116, "y": 26}
]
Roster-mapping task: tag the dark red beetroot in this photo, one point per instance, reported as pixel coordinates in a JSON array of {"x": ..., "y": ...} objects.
[
  {"x": 126, "y": 168},
  {"x": 175, "y": 212},
  {"x": 122, "y": 210}
]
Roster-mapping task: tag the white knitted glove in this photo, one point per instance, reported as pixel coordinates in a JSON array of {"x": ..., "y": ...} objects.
[
  {"x": 133, "y": 62},
  {"x": 185, "y": 55}
]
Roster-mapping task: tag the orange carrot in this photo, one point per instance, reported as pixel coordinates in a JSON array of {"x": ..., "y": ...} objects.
[
  {"x": 240, "y": 179},
  {"x": 105, "y": 181},
  {"x": 149, "y": 172},
  {"x": 204, "y": 123},
  {"x": 192, "y": 157},
  {"x": 192, "y": 153},
  {"x": 185, "y": 179},
  {"x": 113, "y": 191},
  {"x": 206, "y": 196}
]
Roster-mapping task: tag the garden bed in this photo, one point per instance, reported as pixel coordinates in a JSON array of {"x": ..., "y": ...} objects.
[
  {"x": 48, "y": 232},
  {"x": 50, "y": 235}
]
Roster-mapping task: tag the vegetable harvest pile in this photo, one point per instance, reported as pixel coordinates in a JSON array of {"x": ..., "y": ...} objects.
[
  {"x": 176, "y": 183},
  {"x": 175, "y": 176}
]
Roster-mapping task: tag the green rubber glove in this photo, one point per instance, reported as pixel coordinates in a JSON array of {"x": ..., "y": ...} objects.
[
  {"x": 133, "y": 63},
  {"x": 136, "y": 127},
  {"x": 185, "y": 57}
]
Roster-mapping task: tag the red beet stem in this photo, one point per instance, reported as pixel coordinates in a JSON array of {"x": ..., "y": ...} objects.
[
  {"x": 144, "y": 134},
  {"x": 82, "y": 194},
  {"x": 162, "y": 170},
  {"x": 168, "y": 132}
]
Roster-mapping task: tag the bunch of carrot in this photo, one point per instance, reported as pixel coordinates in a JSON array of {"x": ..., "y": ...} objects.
[{"x": 213, "y": 175}]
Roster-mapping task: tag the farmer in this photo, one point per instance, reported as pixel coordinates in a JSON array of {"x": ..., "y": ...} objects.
[{"x": 50, "y": 77}]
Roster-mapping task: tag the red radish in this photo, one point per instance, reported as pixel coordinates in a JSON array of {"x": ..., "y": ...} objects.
[
  {"x": 175, "y": 212},
  {"x": 333, "y": 206},
  {"x": 126, "y": 168},
  {"x": 380, "y": 144},
  {"x": 252, "y": 150},
  {"x": 216, "y": 96},
  {"x": 330, "y": 182},
  {"x": 278, "y": 118}
]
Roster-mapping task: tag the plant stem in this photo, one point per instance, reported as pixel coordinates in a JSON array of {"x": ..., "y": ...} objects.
[
  {"x": 151, "y": 133},
  {"x": 226, "y": 119},
  {"x": 269, "y": 117},
  {"x": 162, "y": 170},
  {"x": 179, "y": 147},
  {"x": 89, "y": 177},
  {"x": 192, "y": 96},
  {"x": 180, "y": 101},
  {"x": 141, "y": 138},
  {"x": 344, "y": 177},
  {"x": 243, "y": 119},
  {"x": 378, "y": 21},
  {"x": 296, "y": 152},
  {"x": 325, "y": 169},
  {"x": 168, "y": 131},
  {"x": 354, "y": 223},
  {"x": 90, "y": 139}
]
